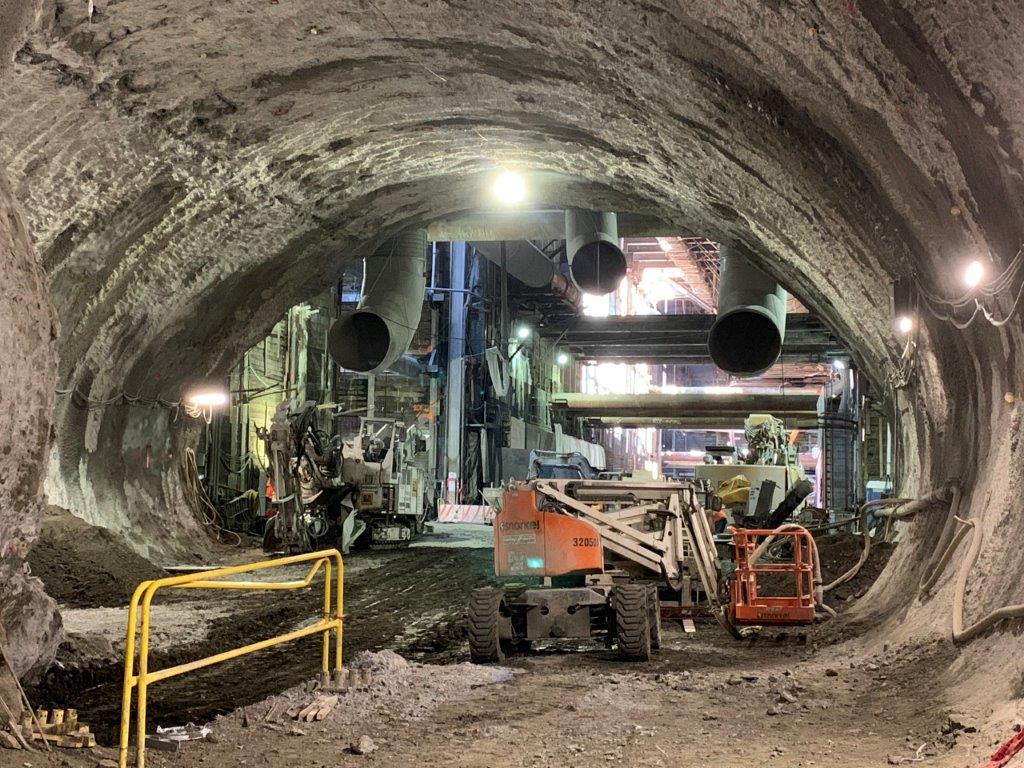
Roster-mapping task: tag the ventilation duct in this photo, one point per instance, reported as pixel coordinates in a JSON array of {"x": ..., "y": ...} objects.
[
  {"x": 746, "y": 338},
  {"x": 526, "y": 263},
  {"x": 378, "y": 332},
  {"x": 596, "y": 263}
]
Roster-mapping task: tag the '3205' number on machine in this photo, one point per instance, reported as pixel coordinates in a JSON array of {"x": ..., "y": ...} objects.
[{"x": 585, "y": 541}]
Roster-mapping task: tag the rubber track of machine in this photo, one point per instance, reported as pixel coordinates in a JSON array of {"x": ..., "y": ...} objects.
[
  {"x": 654, "y": 616},
  {"x": 632, "y": 627},
  {"x": 484, "y": 643}
]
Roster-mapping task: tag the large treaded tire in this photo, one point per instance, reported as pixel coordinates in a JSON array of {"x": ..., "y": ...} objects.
[
  {"x": 654, "y": 616},
  {"x": 485, "y": 646},
  {"x": 632, "y": 625}
]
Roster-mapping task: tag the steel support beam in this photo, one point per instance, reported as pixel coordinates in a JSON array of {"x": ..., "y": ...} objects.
[{"x": 726, "y": 407}]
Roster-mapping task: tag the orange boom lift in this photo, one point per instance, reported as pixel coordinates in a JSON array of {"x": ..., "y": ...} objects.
[{"x": 622, "y": 545}]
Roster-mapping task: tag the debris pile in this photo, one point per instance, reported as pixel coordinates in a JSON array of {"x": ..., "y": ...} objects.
[{"x": 85, "y": 566}]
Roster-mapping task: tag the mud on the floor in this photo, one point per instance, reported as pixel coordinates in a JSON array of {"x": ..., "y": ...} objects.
[
  {"x": 86, "y": 566},
  {"x": 397, "y": 600}
]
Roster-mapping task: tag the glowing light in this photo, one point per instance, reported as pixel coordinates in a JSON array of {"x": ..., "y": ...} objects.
[
  {"x": 534, "y": 563},
  {"x": 523, "y": 332},
  {"x": 839, "y": 365},
  {"x": 974, "y": 274},
  {"x": 905, "y": 324},
  {"x": 716, "y": 390},
  {"x": 207, "y": 399},
  {"x": 509, "y": 188},
  {"x": 562, "y": 358}
]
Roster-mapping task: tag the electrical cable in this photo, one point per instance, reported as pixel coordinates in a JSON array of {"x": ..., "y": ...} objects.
[
  {"x": 991, "y": 291},
  {"x": 196, "y": 497}
]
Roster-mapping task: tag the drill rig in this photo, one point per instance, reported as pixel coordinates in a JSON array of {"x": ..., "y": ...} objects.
[
  {"x": 329, "y": 492},
  {"x": 624, "y": 544}
]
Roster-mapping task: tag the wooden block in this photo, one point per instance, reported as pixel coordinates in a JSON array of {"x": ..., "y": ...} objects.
[
  {"x": 71, "y": 718},
  {"x": 689, "y": 626},
  {"x": 57, "y": 717},
  {"x": 326, "y": 705}
]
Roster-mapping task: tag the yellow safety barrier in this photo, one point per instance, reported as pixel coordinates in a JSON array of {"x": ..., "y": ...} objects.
[{"x": 330, "y": 622}]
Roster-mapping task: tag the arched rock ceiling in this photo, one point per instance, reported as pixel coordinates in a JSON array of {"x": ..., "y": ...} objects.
[
  {"x": 191, "y": 170},
  {"x": 165, "y": 151}
]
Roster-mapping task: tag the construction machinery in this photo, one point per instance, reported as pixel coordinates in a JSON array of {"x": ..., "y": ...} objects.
[
  {"x": 617, "y": 547},
  {"x": 763, "y": 486},
  {"x": 329, "y": 492}
]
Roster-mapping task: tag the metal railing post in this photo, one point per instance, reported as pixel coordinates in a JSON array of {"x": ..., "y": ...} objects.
[{"x": 143, "y": 596}]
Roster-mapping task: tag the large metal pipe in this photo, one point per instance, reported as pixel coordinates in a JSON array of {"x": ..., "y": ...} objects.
[
  {"x": 378, "y": 332},
  {"x": 596, "y": 263},
  {"x": 746, "y": 338}
]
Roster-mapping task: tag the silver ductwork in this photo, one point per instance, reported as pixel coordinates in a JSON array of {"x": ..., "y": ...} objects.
[
  {"x": 746, "y": 338},
  {"x": 378, "y": 332},
  {"x": 526, "y": 263},
  {"x": 596, "y": 262}
]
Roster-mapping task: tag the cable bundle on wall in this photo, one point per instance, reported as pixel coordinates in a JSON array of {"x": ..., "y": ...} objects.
[{"x": 981, "y": 297}]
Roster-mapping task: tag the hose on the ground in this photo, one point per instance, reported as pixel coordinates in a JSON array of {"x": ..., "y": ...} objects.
[
  {"x": 912, "y": 508},
  {"x": 962, "y": 634},
  {"x": 819, "y": 597},
  {"x": 197, "y": 499},
  {"x": 865, "y": 550}
]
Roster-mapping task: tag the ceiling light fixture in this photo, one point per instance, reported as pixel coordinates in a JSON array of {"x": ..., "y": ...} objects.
[
  {"x": 905, "y": 324},
  {"x": 509, "y": 188},
  {"x": 562, "y": 358},
  {"x": 523, "y": 332},
  {"x": 207, "y": 399},
  {"x": 974, "y": 274}
]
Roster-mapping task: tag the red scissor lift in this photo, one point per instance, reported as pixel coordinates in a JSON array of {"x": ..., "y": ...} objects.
[{"x": 749, "y": 607}]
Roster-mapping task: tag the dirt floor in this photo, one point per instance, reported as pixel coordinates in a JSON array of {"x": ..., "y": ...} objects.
[
  {"x": 780, "y": 699},
  {"x": 86, "y": 566}
]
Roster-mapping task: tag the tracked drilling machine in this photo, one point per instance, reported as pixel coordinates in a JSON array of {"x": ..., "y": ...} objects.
[
  {"x": 329, "y": 492},
  {"x": 623, "y": 543}
]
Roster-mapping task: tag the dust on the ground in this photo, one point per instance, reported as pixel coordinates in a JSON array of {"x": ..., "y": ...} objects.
[
  {"x": 703, "y": 700},
  {"x": 392, "y": 600},
  {"x": 85, "y": 566}
]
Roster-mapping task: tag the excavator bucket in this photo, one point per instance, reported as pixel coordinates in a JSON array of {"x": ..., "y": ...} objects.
[{"x": 532, "y": 542}]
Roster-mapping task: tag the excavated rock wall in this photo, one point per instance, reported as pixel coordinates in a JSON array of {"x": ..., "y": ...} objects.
[
  {"x": 30, "y": 628},
  {"x": 190, "y": 170}
]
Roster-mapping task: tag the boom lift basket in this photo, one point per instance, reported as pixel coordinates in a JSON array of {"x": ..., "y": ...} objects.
[{"x": 749, "y": 607}]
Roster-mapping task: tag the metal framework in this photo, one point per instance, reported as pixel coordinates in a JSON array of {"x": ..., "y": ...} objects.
[{"x": 330, "y": 622}]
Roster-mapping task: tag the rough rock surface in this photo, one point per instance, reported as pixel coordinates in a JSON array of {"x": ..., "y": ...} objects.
[
  {"x": 29, "y": 622},
  {"x": 190, "y": 170}
]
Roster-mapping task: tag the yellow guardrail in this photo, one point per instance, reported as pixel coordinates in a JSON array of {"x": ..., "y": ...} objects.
[{"x": 331, "y": 621}]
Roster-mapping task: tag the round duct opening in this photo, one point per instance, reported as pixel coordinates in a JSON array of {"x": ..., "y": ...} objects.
[
  {"x": 745, "y": 342},
  {"x": 359, "y": 341},
  {"x": 598, "y": 267}
]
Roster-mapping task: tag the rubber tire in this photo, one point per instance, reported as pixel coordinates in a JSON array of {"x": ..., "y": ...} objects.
[
  {"x": 654, "y": 616},
  {"x": 632, "y": 625},
  {"x": 485, "y": 646}
]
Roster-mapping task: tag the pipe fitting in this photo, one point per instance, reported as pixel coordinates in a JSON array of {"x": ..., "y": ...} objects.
[
  {"x": 596, "y": 263},
  {"x": 378, "y": 332},
  {"x": 746, "y": 338}
]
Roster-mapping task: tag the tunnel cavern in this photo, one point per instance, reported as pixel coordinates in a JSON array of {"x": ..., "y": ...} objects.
[{"x": 524, "y": 384}]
